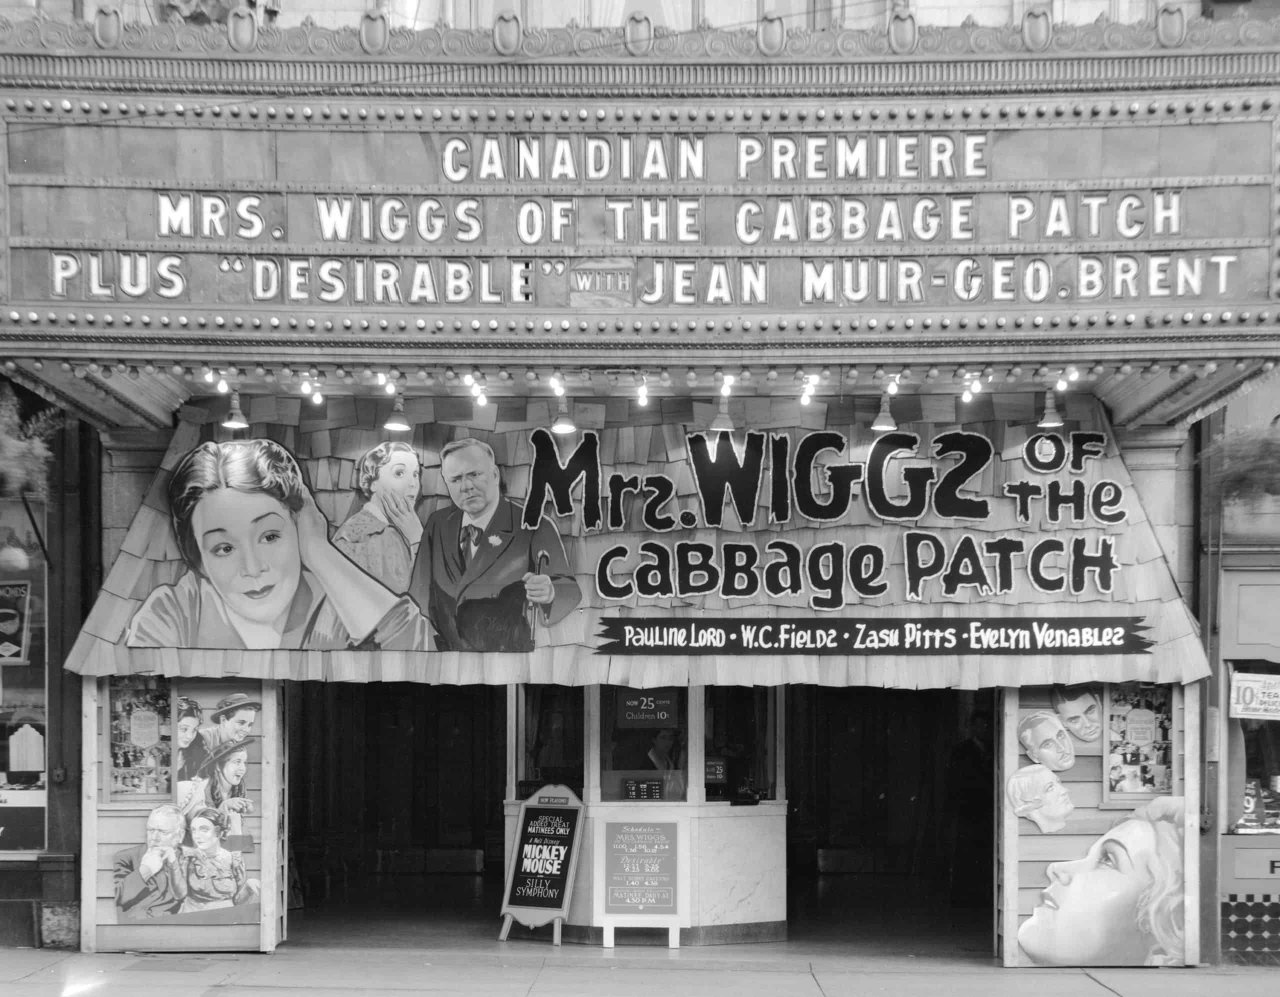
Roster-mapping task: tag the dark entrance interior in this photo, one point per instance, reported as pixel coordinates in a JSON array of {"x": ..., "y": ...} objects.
[
  {"x": 395, "y": 817},
  {"x": 892, "y": 801},
  {"x": 392, "y": 786}
]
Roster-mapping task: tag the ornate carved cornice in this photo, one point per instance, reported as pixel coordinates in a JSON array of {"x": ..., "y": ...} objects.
[{"x": 374, "y": 59}]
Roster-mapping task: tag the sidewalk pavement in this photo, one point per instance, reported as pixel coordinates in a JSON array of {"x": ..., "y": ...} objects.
[{"x": 538, "y": 969}]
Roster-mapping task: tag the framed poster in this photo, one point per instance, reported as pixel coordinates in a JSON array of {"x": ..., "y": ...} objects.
[
  {"x": 1139, "y": 760},
  {"x": 140, "y": 740},
  {"x": 15, "y": 603}
]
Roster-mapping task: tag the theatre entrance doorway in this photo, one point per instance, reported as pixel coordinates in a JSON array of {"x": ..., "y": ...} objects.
[
  {"x": 394, "y": 807},
  {"x": 892, "y": 826}
]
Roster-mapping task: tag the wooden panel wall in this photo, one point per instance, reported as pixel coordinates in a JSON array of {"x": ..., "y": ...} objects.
[
  {"x": 117, "y": 826},
  {"x": 1025, "y": 851}
]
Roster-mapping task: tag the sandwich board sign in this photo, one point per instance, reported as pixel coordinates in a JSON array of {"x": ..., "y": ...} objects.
[{"x": 540, "y": 873}]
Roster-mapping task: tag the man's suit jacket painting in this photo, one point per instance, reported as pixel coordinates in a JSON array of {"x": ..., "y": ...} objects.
[
  {"x": 138, "y": 898},
  {"x": 481, "y": 606}
]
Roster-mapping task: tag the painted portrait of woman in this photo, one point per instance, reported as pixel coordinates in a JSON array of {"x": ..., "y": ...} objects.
[
  {"x": 215, "y": 877},
  {"x": 220, "y": 784},
  {"x": 1036, "y": 792},
  {"x": 382, "y": 537},
  {"x": 192, "y": 749},
  {"x": 261, "y": 572},
  {"x": 1121, "y": 904}
]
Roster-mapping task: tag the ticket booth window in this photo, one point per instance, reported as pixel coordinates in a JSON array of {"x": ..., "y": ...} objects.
[
  {"x": 552, "y": 727},
  {"x": 740, "y": 751},
  {"x": 644, "y": 749},
  {"x": 1254, "y": 748}
]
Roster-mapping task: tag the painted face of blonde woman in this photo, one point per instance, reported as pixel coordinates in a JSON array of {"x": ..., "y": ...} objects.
[
  {"x": 400, "y": 475},
  {"x": 1055, "y": 802},
  {"x": 249, "y": 552},
  {"x": 1087, "y": 916}
]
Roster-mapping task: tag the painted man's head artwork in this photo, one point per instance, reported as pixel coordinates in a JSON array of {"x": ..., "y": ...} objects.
[
  {"x": 1079, "y": 707},
  {"x": 1046, "y": 741}
]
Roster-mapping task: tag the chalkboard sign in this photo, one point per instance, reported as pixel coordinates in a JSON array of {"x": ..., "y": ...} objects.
[
  {"x": 640, "y": 868},
  {"x": 540, "y": 873}
]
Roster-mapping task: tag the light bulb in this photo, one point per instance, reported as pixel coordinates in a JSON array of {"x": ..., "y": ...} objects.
[
  {"x": 222, "y": 386},
  {"x": 482, "y": 400},
  {"x": 317, "y": 398},
  {"x": 390, "y": 388},
  {"x": 306, "y": 387}
]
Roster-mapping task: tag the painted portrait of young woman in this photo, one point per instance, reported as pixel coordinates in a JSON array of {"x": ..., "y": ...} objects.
[
  {"x": 261, "y": 571},
  {"x": 1121, "y": 903}
]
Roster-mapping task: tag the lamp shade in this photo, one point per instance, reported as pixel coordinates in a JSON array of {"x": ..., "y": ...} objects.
[{"x": 884, "y": 418}]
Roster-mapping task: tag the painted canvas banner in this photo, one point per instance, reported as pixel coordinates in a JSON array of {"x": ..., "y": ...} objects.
[{"x": 967, "y": 548}]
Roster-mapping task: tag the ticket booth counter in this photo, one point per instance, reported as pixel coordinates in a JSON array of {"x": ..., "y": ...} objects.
[{"x": 684, "y": 805}]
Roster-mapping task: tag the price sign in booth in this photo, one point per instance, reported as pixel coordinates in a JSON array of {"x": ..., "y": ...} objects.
[
  {"x": 540, "y": 874},
  {"x": 1255, "y": 697}
]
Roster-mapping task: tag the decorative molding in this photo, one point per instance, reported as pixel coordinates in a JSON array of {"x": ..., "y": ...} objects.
[{"x": 902, "y": 37}]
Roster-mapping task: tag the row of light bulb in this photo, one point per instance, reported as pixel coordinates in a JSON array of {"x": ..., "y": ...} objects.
[{"x": 476, "y": 382}]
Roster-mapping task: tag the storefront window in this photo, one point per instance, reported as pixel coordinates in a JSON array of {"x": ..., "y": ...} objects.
[
  {"x": 553, "y": 752},
  {"x": 23, "y": 723},
  {"x": 643, "y": 744},
  {"x": 1254, "y": 750},
  {"x": 141, "y": 739},
  {"x": 740, "y": 760}
]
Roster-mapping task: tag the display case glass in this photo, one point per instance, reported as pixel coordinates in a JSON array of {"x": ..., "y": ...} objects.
[
  {"x": 741, "y": 747},
  {"x": 1254, "y": 748},
  {"x": 551, "y": 733}
]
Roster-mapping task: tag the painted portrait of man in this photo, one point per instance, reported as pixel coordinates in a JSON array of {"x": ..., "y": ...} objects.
[
  {"x": 1046, "y": 741},
  {"x": 483, "y": 580},
  {"x": 1079, "y": 707},
  {"x": 149, "y": 879}
]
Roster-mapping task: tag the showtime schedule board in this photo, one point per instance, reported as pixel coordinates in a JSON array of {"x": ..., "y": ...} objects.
[{"x": 640, "y": 867}]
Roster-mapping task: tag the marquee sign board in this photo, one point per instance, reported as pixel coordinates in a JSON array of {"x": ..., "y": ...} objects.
[{"x": 418, "y": 219}]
